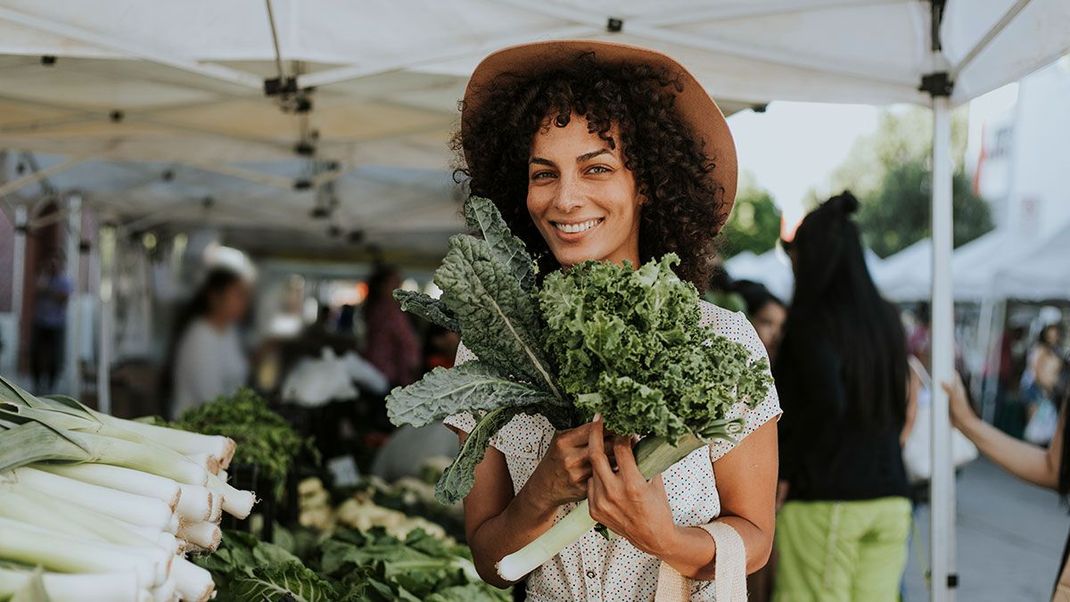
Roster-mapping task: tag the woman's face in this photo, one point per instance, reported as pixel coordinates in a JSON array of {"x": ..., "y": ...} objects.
[
  {"x": 231, "y": 303},
  {"x": 768, "y": 322},
  {"x": 582, "y": 199}
]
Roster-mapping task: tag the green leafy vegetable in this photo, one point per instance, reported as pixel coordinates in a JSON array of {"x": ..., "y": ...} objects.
[
  {"x": 628, "y": 345},
  {"x": 264, "y": 438},
  {"x": 481, "y": 215},
  {"x": 349, "y": 566},
  {"x": 432, "y": 310}
]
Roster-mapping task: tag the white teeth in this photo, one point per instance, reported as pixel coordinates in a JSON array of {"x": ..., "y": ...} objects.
[{"x": 575, "y": 228}]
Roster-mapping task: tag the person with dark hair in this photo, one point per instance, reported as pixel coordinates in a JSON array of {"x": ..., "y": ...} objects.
[
  {"x": 49, "y": 325},
  {"x": 766, "y": 312},
  {"x": 842, "y": 377},
  {"x": 208, "y": 358},
  {"x": 1049, "y": 468},
  {"x": 391, "y": 344},
  {"x": 606, "y": 152},
  {"x": 1044, "y": 366}
]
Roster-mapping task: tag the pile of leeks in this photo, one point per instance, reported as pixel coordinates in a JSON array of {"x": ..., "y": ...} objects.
[{"x": 95, "y": 508}]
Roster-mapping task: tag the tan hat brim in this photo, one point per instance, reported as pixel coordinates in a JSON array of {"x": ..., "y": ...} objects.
[{"x": 695, "y": 106}]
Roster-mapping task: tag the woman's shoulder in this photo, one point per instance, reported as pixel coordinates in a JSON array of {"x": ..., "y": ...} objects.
[{"x": 732, "y": 325}]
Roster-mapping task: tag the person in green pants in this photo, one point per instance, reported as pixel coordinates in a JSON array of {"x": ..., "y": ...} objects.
[{"x": 842, "y": 378}]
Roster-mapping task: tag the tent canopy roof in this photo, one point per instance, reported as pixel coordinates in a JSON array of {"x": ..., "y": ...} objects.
[{"x": 161, "y": 82}]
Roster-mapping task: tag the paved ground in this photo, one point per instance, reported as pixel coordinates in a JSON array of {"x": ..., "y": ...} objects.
[{"x": 1010, "y": 539}]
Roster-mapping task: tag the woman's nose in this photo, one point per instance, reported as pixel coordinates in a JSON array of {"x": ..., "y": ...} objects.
[{"x": 568, "y": 197}]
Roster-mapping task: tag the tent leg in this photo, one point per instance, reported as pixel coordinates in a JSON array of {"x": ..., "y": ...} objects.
[
  {"x": 990, "y": 389},
  {"x": 72, "y": 351},
  {"x": 106, "y": 254},
  {"x": 18, "y": 278},
  {"x": 942, "y": 493}
]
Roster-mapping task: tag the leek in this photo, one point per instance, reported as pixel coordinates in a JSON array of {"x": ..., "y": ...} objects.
[
  {"x": 58, "y": 552},
  {"x": 130, "y": 507},
  {"x": 193, "y": 582},
  {"x": 111, "y": 587},
  {"x": 203, "y": 535},
  {"x": 195, "y": 503},
  {"x": 122, "y": 479}
]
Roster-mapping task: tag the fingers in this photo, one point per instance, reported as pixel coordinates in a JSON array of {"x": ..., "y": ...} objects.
[
  {"x": 597, "y": 452},
  {"x": 626, "y": 466}
]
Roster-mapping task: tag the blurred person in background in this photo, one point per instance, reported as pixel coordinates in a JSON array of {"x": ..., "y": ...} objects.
[
  {"x": 766, "y": 313},
  {"x": 391, "y": 345},
  {"x": 49, "y": 325},
  {"x": 441, "y": 347},
  {"x": 842, "y": 376},
  {"x": 1044, "y": 366},
  {"x": 1049, "y": 468},
  {"x": 208, "y": 359}
]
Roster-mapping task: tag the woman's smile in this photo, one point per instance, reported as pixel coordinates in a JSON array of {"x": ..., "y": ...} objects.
[{"x": 581, "y": 196}]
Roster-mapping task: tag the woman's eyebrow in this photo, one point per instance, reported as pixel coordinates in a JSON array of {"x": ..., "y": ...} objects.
[
  {"x": 541, "y": 161},
  {"x": 591, "y": 155}
]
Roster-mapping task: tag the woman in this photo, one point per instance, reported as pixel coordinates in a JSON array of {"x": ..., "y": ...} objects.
[
  {"x": 1043, "y": 369},
  {"x": 1044, "y": 467},
  {"x": 392, "y": 346},
  {"x": 598, "y": 151},
  {"x": 766, "y": 313},
  {"x": 209, "y": 360},
  {"x": 842, "y": 377}
]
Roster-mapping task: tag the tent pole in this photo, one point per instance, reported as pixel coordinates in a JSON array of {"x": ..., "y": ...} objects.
[
  {"x": 942, "y": 494},
  {"x": 984, "y": 343},
  {"x": 18, "y": 277},
  {"x": 990, "y": 387},
  {"x": 72, "y": 351},
  {"x": 106, "y": 254}
]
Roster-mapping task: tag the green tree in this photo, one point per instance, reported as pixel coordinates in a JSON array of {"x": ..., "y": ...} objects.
[
  {"x": 890, "y": 173},
  {"x": 754, "y": 224}
]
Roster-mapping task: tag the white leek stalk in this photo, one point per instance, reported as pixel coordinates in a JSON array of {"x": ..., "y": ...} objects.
[
  {"x": 184, "y": 442},
  {"x": 204, "y": 535},
  {"x": 206, "y": 461},
  {"x": 130, "y": 507},
  {"x": 38, "y": 509},
  {"x": 58, "y": 552},
  {"x": 165, "y": 592},
  {"x": 194, "y": 583},
  {"x": 123, "y": 479},
  {"x": 95, "y": 587},
  {"x": 215, "y": 513},
  {"x": 236, "y": 503},
  {"x": 195, "y": 503}
]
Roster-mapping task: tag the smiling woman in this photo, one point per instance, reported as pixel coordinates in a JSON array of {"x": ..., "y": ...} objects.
[{"x": 604, "y": 152}]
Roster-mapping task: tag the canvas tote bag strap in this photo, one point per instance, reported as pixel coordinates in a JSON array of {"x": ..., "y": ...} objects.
[{"x": 730, "y": 570}]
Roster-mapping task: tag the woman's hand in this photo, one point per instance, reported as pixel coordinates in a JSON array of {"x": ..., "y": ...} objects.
[
  {"x": 561, "y": 476},
  {"x": 961, "y": 412},
  {"x": 624, "y": 501}
]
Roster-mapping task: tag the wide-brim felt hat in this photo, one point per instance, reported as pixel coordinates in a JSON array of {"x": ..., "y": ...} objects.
[{"x": 694, "y": 105}]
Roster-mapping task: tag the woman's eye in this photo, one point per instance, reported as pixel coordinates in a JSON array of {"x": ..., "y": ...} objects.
[
  {"x": 542, "y": 175},
  {"x": 599, "y": 169}
]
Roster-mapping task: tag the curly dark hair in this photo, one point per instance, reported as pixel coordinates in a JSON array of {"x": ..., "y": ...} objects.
[{"x": 684, "y": 208}]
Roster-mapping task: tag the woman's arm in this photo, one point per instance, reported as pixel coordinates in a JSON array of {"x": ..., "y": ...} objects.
[
  {"x": 498, "y": 523},
  {"x": 1023, "y": 460}
]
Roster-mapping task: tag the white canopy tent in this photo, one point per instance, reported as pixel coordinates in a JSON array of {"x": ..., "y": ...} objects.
[
  {"x": 184, "y": 82},
  {"x": 773, "y": 269}
]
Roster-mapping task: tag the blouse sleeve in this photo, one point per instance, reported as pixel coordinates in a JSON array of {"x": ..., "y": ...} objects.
[{"x": 769, "y": 408}]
